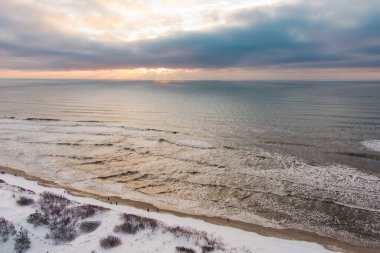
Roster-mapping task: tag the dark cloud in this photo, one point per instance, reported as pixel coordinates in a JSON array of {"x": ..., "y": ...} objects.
[{"x": 324, "y": 34}]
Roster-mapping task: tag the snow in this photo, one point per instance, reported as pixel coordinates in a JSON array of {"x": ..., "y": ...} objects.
[{"x": 144, "y": 241}]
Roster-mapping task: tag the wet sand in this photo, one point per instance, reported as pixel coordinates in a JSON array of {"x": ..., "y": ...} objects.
[{"x": 288, "y": 234}]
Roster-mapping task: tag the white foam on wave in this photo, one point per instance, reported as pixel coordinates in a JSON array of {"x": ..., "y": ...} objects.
[
  {"x": 372, "y": 144},
  {"x": 32, "y": 147},
  {"x": 194, "y": 143}
]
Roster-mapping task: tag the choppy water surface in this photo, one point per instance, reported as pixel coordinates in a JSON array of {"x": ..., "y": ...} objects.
[{"x": 289, "y": 154}]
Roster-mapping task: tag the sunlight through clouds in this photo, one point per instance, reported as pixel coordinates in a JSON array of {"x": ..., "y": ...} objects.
[{"x": 169, "y": 39}]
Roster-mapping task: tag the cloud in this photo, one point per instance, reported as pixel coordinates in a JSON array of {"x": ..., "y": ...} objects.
[{"x": 305, "y": 34}]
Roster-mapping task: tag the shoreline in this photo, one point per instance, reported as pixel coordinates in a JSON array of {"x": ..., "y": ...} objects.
[{"x": 287, "y": 234}]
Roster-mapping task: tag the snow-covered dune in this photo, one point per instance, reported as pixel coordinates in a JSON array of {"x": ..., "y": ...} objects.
[{"x": 167, "y": 234}]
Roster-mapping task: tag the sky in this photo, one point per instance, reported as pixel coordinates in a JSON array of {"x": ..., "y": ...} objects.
[{"x": 189, "y": 39}]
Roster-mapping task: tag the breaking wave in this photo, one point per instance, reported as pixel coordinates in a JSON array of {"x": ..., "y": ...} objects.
[
  {"x": 372, "y": 145},
  {"x": 195, "y": 174}
]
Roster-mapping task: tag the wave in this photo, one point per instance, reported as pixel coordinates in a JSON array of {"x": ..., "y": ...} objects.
[
  {"x": 91, "y": 123},
  {"x": 148, "y": 129},
  {"x": 288, "y": 143},
  {"x": 41, "y": 119},
  {"x": 372, "y": 145},
  {"x": 7, "y": 117},
  {"x": 357, "y": 155},
  {"x": 180, "y": 168},
  {"x": 189, "y": 143}
]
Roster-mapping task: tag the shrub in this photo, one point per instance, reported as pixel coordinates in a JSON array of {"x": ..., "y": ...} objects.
[
  {"x": 37, "y": 219},
  {"x": 126, "y": 228},
  {"x": 52, "y": 204},
  {"x": 62, "y": 233},
  {"x": 22, "y": 241},
  {"x": 181, "y": 249},
  {"x": 133, "y": 223},
  {"x": 89, "y": 226},
  {"x": 188, "y": 233},
  {"x": 25, "y": 201},
  {"x": 62, "y": 228},
  {"x": 21, "y": 189},
  {"x": 62, "y": 215},
  {"x": 6, "y": 229},
  {"x": 84, "y": 211},
  {"x": 141, "y": 222},
  {"x": 207, "y": 248},
  {"x": 213, "y": 242},
  {"x": 200, "y": 237},
  {"x": 110, "y": 242},
  {"x": 49, "y": 197}
]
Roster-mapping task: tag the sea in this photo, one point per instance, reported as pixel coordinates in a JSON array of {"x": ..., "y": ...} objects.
[{"x": 285, "y": 154}]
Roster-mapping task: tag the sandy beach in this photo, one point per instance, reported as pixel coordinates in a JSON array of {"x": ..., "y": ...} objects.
[{"x": 288, "y": 234}]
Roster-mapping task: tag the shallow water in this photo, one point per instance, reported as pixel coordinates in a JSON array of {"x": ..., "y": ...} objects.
[{"x": 290, "y": 154}]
